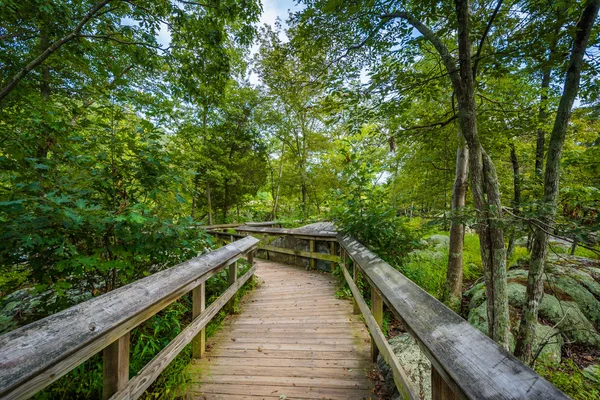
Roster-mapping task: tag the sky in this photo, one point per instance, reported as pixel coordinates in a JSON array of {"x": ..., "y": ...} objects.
[{"x": 271, "y": 10}]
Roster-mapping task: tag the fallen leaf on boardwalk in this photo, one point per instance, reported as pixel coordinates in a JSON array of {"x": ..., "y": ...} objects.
[
  {"x": 260, "y": 349},
  {"x": 283, "y": 397}
]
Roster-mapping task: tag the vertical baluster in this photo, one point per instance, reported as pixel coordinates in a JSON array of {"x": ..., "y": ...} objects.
[
  {"x": 232, "y": 277},
  {"x": 115, "y": 366},
  {"x": 355, "y": 279},
  {"x": 332, "y": 252},
  {"x": 377, "y": 311},
  {"x": 439, "y": 388},
  {"x": 198, "y": 306},
  {"x": 312, "y": 250},
  {"x": 266, "y": 239}
]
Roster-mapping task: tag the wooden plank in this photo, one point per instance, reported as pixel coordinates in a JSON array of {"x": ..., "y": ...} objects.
[
  {"x": 281, "y": 341},
  {"x": 294, "y": 381},
  {"x": 300, "y": 253},
  {"x": 283, "y": 371},
  {"x": 277, "y": 391},
  {"x": 311, "y": 247},
  {"x": 37, "y": 354},
  {"x": 231, "y": 278},
  {"x": 400, "y": 378},
  {"x": 353, "y": 364},
  {"x": 377, "y": 311},
  {"x": 355, "y": 280},
  {"x": 320, "y": 235},
  {"x": 474, "y": 365},
  {"x": 138, "y": 384},
  {"x": 198, "y": 307},
  {"x": 115, "y": 366},
  {"x": 266, "y": 223},
  {"x": 439, "y": 388}
]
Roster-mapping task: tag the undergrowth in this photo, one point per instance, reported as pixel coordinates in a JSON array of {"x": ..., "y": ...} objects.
[
  {"x": 147, "y": 340},
  {"x": 568, "y": 377}
]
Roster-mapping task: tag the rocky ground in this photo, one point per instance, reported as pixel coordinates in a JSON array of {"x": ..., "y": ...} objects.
[{"x": 569, "y": 320}]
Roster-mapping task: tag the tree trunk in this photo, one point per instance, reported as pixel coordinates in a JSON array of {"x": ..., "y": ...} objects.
[
  {"x": 45, "y": 141},
  {"x": 208, "y": 198},
  {"x": 541, "y": 133},
  {"x": 517, "y": 196},
  {"x": 195, "y": 193},
  {"x": 543, "y": 113},
  {"x": 453, "y": 289},
  {"x": 484, "y": 187},
  {"x": 276, "y": 200},
  {"x": 483, "y": 177},
  {"x": 535, "y": 285}
]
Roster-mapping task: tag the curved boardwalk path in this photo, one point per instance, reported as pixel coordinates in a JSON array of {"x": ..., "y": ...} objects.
[{"x": 292, "y": 340}]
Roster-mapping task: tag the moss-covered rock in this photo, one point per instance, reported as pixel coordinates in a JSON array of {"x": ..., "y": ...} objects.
[
  {"x": 552, "y": 342},
  {"x": 416, "y": 366},
  {"x": 439, "y": 241}
]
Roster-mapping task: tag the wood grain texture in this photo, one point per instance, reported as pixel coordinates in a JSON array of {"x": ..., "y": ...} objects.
[
  {"x": 115, "y": 366},
  {"x": 374, "y": 323},
  {"x": 198, "y": 306},
  {"x": 138, "y": 384},
  {"x": 319, "y": 235},
  {"x": 472, "y": 364},
  {"x": 301, "y": 253},
  {"x": 278, "y": 347},
  {"x": 37, "y": 354}
]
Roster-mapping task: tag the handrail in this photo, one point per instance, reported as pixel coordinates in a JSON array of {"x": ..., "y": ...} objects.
[
  {"x": 465, "y": 362},
  {"x": 312, "y": 255},
  {"x": 235, "y": 225},
  {"x": 316, "y": 235},
  {"x": 37, "y": 354}
]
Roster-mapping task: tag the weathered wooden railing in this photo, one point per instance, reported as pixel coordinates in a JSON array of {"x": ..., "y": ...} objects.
[
  {"x": 268, "y": 235},
  {"x": 34, "y": 356},
  {"x": 465, "y": 362}
]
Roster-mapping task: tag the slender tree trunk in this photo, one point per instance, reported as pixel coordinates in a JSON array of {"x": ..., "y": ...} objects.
[
  {"x": 543, "y": 113},
  {"x": 541, "y": 133},
  {"x": 454, "y": 276},
  {"x": 304, "y": 199},
  {"x": 45, "y": 141},
  {"x": 535, "y": 286},
  {"x": 208, "y": 198},
  {"x": 517, "y": 196},
  {"x": 483, "y": 178},
  {"x": 484, "y": 187},
  {"x": 195, "y": 193},
  {"x": 276, "y": 202}
]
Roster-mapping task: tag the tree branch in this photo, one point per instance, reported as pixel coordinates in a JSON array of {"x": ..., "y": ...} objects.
[
  {"x": 436, "y": 124},
  {"x": 55, "y": 46},
  {"x": 484, "y": 36},
  {"x": 447, "y": 59}
]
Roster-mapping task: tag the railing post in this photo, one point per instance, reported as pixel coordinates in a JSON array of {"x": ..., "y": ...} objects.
[
  {"x": 332, "y": 252},
  {"x": 250, "y": 258},
  {"x": 198, "y": 306},
  {"x": 232, "y": 277},
  {"x": 266, "y": 239},
  {"x": 355, "y": 279},
  {"x": 439, "y": 388},
  {"x": 377, "y": 311},
  {"x": 312, "y": 250},
  {"x": 115, "y": 366}
]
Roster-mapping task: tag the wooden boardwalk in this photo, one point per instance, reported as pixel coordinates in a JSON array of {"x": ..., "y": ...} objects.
[{"x": 292, "y": 340}]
